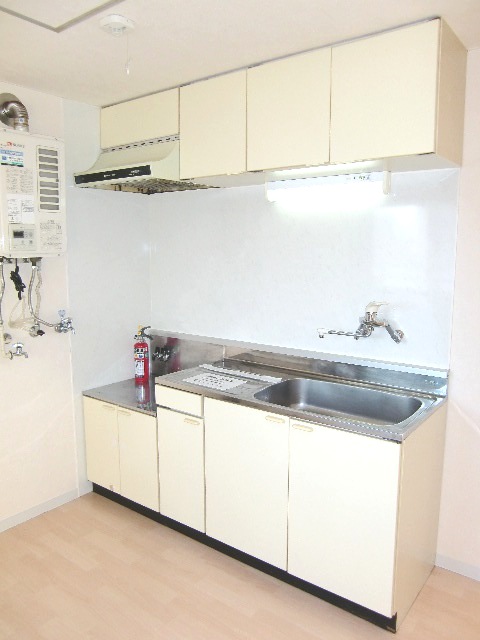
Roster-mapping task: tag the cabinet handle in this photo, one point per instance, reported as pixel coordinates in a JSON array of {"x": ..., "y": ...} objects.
[
  {"x": 108, "y": 407},
  {"x": 196, "y": 423},
  {"x": 302, "y": 427},
  {"x": 275, "y": 419},
  {"x": 124, "y": 413}
]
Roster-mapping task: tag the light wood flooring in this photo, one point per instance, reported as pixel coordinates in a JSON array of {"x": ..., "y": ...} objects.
[{"x": 93, "y": 569}]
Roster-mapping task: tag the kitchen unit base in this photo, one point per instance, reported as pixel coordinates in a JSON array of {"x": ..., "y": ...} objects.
[{"x": 390, "y": 624}]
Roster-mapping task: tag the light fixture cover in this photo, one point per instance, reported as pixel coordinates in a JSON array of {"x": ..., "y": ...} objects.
[
  {"x": 337, "y": 186},
  {"x": 116, "y": 25}
]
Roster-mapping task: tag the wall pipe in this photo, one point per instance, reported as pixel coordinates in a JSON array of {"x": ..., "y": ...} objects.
[{"x": 16, "y": 111}]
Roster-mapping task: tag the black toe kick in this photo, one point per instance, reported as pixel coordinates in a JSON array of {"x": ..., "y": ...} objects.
[{"x": 390, "y": 624}]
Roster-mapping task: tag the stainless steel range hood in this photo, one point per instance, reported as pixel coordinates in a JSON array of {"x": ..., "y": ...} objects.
[{"x": 146, "y": 167}]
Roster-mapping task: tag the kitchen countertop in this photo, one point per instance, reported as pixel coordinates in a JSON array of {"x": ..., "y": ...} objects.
[
  {"x": 128, "y": 395},
  {"x": 429, "y": 389}
]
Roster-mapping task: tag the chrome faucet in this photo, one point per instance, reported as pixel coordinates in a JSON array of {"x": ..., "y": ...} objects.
[
  {"x": 17, "y": 350},
  {"x": 368, "y": 323},
  {"x": 164, "y": 354}
]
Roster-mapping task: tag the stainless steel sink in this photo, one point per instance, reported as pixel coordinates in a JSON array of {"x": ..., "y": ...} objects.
[{"x": 342, "y": 400}]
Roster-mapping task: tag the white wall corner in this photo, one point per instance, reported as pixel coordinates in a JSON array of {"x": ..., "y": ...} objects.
[
  {"x": 450, "y": 564},
  {"x": 19, "y": 518}
]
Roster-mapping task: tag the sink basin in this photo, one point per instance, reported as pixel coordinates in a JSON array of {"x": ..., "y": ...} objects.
[{"x": 341, "y": 400}]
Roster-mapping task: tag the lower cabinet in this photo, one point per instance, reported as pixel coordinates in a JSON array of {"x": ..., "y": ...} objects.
[
  {"x": 137, "y": 441},
  {"x": 181, "y": 467},
  {"x": 122, "y": 451},
  {"x": 101, "y": 440},
  {"x": 342, "y": 516},
  {"x": 352, "y": 514},
  {"x": 246, "y": 471}
]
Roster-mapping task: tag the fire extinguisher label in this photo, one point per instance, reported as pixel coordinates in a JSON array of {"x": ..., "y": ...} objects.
[{"x": 141, "y": 358}]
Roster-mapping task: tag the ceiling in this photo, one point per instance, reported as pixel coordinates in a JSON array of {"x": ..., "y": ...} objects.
[{"x": 58, "y": 46}]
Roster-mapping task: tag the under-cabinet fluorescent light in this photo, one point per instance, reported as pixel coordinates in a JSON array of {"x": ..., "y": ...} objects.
[
  {"x": 330, "y": 189},
  {"x": 366, "y": 166}
]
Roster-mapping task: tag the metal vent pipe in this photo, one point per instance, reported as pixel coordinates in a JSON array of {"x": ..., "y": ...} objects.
[{"x": 16, "y": 111}]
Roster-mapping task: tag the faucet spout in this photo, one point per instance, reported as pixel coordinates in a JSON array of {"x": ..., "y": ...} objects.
[{"x": 367, "y": 325}]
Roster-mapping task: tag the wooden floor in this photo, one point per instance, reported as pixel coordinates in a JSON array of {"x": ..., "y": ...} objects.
[{"x": 93, "y": 569}]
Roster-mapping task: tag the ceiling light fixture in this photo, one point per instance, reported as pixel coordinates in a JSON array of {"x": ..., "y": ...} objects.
[{"x": 116, "y": 25}]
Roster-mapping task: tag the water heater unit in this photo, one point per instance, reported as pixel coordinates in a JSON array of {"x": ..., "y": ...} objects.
[{"x": 32, "y": 195}]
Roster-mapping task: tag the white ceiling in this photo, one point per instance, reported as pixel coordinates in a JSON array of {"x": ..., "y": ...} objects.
[
  {"x": 177, "y": 41},
  {"x": 55, "y": 14}
]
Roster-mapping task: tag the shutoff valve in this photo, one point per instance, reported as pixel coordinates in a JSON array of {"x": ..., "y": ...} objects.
[
  {"x": 65, "y": 324},
  {"x": 17, "y": 351}
]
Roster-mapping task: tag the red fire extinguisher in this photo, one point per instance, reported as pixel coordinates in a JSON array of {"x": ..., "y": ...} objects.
[{"x": 141, "y": 357}]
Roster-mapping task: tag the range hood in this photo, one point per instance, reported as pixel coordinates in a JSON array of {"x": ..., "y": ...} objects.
[{"x": 146, "y": 167}]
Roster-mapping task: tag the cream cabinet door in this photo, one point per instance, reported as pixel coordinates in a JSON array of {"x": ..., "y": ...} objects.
[
  {"x": 288, "y": 112},
  {"x": 384, "y": 94},
  {"x": 181, "y": 467},
  {"x": 213, "y": 126},
  {"x": 101, "y": 439},
  {"x": 343, "y": 513},
  {"x": 137, "y": 436},
  {"x": 145, "y": 118},
  {"x": 246, "y": 475}
]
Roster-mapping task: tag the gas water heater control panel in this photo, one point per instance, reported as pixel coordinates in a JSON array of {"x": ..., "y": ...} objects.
[{"x": 32, "y": 195}]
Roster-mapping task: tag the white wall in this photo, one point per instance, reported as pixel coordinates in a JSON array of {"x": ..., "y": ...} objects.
[
  {"x": 37, "y": 439},
  {"x": 108, "y": 271},
  {"x": 103, "y": 283},
  {"x": 45, "y": 111},
  {"x": 229, "y": 264},
  {"x": 459, "y": 538}
]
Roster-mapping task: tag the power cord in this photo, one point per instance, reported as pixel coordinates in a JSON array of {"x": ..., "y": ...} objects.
[{"x": 16, "y": 278}]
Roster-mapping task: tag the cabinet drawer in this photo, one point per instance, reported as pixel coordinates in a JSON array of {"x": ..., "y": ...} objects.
[{"x": 179, "y": 400}]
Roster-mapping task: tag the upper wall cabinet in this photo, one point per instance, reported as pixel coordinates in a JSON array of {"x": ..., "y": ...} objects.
[
  {"x": 288, "y": 112},
  {"x": 400, "y": 93},
  {"x": 396, "y": 98},
  {"x": 213, "y": 126},
  {"x": 154, "y": 116}
]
